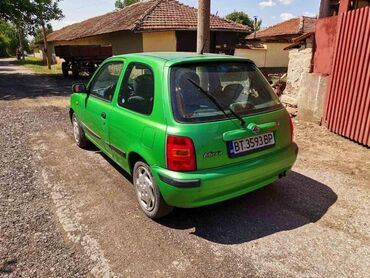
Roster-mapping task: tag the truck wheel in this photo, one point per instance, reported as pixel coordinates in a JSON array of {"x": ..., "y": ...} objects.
[
  {"x": 75, "y": 72},
  {"x": 65, "y": 69},
  {"x": 147, "y": 192},
  {"x": 79, "y": 134}
]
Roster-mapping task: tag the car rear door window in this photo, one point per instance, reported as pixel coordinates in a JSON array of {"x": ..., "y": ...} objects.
[
  {"x": 137, "y": 90},
  {"x": 105, "y": 82}
]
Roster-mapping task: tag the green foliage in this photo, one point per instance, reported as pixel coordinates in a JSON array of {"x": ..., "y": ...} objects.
[
  {"x": 44, "y": 11},
  {"x": 119, "y": 4},
  {"x": 38, "y": 36},
  {"x": 9, "y": 40},
  {"x": 15, "y": 11},
  {"x": 243, "y": 18},
  {"x": 30, "y": 14}
]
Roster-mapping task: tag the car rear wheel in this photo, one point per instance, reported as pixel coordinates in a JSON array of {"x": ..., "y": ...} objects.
[
  {"x": 147, "y": 192},
  {"x": 79, "y": 134}
]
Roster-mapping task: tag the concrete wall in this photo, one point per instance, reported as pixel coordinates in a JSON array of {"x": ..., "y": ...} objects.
[
  {"x": 122, "y": 42},
  {"x": 299, "y": 63},
  {"x": 325, "y": 33},
  {"x": 258, "y": 56},
  {"x": 159, "y": 41},
  {"x": 276, "y": 56},
  {"x": 273, "y": 56},
  {"x": 37, "y": 51},
  {"x": 311, "y": 97}
]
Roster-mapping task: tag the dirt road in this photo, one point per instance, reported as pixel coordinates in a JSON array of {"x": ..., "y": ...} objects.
[{"x": 70, "y": 212}]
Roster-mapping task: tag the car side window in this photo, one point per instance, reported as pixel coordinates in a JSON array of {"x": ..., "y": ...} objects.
[
  {"x": 105, "y": 82},
  {"x": 137, "y": 90}
]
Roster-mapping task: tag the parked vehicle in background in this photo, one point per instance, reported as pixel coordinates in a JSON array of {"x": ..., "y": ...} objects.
[
  {"x": 82, "y": 58},
  {"x": 192, "y": 129}
]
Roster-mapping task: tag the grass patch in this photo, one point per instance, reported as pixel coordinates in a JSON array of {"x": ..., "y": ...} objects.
[{"x": 39, "y": 66}]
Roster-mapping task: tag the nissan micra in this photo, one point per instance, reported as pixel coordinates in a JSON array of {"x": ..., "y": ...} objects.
[{"x": 191, "y": 129}]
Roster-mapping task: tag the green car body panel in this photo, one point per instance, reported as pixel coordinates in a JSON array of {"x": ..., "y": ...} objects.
[{"x": 125, "y": 136}]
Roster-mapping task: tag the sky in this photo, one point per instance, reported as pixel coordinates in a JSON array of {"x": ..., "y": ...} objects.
[{"x": 270, "y": 11}]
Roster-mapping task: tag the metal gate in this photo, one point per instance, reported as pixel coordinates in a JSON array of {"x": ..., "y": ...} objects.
[{"x": 347, "y": 109}]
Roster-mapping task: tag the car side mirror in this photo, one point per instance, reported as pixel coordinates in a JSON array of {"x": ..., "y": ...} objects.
[{"x": 79, "y": 88}]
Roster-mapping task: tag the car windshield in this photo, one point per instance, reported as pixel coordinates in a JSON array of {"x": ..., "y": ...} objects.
[{"x": 236, "y": 86}]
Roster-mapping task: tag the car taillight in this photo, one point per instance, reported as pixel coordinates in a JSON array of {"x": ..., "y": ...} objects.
[
  {"x": 180, "y": 154},
  {"x": 291, "y": 130}
]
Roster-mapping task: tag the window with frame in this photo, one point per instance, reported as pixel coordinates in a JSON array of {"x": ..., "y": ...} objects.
[
  {"x": 137, "y": 90},
  {"x": 105, "y": 82}
]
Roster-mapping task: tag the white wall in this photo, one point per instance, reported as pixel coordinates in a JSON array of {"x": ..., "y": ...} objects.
[
  {"x": 272, "y": 56},
  {"x": 258, "y": 56},
  {"x": 159, "y": 41}
]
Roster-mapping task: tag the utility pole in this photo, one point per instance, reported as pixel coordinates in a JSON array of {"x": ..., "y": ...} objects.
[
  {"x": 203, "y": 33},
  {"x": 255, "y": 26}
]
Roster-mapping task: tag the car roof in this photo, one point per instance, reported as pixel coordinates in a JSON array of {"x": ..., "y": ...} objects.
[{"x": 170, "y": 58}]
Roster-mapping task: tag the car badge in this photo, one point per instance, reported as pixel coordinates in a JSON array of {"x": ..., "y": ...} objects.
[{"x": 256, "y": 129}]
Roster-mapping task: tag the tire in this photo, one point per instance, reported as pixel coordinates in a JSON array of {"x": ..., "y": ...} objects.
[
  {"x": 79, "y": 134},
  {"x": 147, "y": 192},
  {"x": 65, "y": 69}
]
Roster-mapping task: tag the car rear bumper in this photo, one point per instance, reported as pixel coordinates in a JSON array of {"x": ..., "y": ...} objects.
[{"x": 205, "y": 187}]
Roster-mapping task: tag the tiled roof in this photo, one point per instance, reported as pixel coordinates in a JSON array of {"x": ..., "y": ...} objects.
[
  {"x": 146, "y": 16},
  {"x": 295, "y": 26}
]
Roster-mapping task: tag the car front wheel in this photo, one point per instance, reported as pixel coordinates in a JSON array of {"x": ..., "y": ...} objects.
[{"x": 147, "y": 192}]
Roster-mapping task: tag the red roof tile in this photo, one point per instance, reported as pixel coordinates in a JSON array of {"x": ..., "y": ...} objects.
[
  {"x": 155, "y": 15},
  {"x": 295, "y": 26}
]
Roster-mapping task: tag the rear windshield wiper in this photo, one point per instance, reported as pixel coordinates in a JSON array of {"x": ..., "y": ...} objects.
[{"x": 216, "y": 103}]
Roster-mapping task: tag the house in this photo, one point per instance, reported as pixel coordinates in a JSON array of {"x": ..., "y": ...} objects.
[
  {"x": 37, "y": 50},
  {"x": 336, "y": 92},
  {"x": 156, "y": 25},
  {"x": 266, "y": 47}
]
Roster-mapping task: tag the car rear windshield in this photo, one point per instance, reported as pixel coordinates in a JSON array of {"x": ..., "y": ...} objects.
[{"x": 237, "y": 86}]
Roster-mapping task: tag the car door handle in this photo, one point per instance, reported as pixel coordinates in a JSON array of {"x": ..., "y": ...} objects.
[{"x": 103, "y": 115}]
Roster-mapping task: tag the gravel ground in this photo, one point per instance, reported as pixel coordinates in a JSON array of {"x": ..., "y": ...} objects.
[
  {"x": 32, "y": 242},
  {"x": 68, "y": 212}
]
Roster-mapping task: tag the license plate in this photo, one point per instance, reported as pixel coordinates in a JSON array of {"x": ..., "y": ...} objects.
[{"x": 254, "y": 143}]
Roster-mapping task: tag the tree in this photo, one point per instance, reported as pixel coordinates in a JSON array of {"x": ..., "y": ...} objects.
[
  {"x": 18, "y": 13},
  {"x": 28, "y": 15},
  {"x": 11, "y": 10},
  {"x": 8, "y": 39},
  {"x": 44, "y": 11},
  {"x": 119, "y": 4},
  {"x": 243, "y": 18},
  {"x": 38, "y": 35}
]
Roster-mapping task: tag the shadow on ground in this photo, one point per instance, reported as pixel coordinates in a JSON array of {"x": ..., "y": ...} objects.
[
  {"x": 287, "y": 204},
  {"x": 16, "y": 85},
  {"x": 290, "y": 203}
]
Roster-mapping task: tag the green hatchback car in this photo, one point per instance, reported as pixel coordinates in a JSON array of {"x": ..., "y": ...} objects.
[{"x": 191, "y": 129}]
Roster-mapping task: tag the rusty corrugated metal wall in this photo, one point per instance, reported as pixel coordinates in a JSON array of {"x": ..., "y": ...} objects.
[{"x": 347, "y": 110}]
